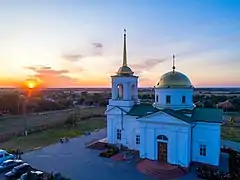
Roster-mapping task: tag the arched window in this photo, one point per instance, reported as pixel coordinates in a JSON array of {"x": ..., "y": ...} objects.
[
  {"x": 162, "y": 137},
  {"x": 133, "y": 91},
  {"x": 120, "y": 91}
]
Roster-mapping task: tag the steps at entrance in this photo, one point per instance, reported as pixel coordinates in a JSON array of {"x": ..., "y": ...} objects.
[{"x": 160, "y": 170}]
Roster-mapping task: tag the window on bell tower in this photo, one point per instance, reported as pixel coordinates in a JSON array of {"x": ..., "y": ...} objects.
[
  {"x": 156, "y": 98},
  {"x": 120, "y": 91},
  {"x": 133, "y": 96},
  {"x": 168, "y": 99}
]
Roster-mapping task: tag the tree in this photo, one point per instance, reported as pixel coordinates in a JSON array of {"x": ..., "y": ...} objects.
[
  {"x": 232, "y": 120},
  {"x": 9, "y": 102}
]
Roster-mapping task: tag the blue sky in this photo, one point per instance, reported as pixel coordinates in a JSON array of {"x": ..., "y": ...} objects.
[{"x": 71, "y": 42}]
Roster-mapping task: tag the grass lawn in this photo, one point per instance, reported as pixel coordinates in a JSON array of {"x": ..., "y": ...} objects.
[{"x": 44, "y": 138}]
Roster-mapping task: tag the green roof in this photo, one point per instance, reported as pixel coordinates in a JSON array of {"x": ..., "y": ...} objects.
[
  {"x": 185, "y": 111},
  {"x": 142, "y": 110},
  {"x": 207, "y": 115},
  {"x": 178, "y": 115},
  {"x": 198, "y": 114}
]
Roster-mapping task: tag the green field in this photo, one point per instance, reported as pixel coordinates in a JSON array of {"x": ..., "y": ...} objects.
[
  {"x": 47, "y": 137},
  {"x": 13, "y": 124}
]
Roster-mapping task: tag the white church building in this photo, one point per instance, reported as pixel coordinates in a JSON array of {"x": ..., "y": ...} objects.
[{"x": 171, "y": 129}]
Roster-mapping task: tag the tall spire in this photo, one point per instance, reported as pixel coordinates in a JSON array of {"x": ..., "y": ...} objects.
[
  {"x": 124, "y": 50},
  {"x": 173, "y": 63}
]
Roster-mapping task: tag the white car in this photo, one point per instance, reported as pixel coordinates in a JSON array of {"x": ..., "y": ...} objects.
[
  {"x": 4, "y": 155},
  {"x": 34, "y": 174},
  {"x": 10, "y": 164}
]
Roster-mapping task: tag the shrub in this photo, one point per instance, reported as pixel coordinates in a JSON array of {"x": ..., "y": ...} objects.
[
  {"x": 233, "y": 132},
  {"x": 210, "y": 173},
  {"x": 109, "y": 153}
]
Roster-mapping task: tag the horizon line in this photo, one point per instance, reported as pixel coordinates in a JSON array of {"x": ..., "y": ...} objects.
[{"x": 97, "y": 87}]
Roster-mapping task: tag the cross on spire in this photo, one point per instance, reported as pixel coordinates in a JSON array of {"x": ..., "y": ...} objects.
[
  {"x": 173, "y": 63},
  {"x": 124, "y": 50}
]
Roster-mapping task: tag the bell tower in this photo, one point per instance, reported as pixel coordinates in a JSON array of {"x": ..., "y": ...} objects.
[{"x": 124, "y": 84}]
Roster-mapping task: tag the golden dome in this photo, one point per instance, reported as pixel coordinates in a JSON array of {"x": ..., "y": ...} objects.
[
  {"x": 174, "y": 79},
  {"x": 125, "y": 71}
]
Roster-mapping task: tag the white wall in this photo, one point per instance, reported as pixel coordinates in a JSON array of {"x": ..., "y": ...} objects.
[
  {"x": 130, "y": 131},
  {"x": 129, "y": 128},
  {"x": 121, "y": 103},
  {"x": 176, "y": 98},
  {"x": 177, "y": 132},
  {"x": 208, "y": 134},
  {"x": 178, "y": 136}
]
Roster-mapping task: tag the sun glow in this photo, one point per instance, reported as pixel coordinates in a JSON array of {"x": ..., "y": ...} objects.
[{"x": 31, "y": 83}]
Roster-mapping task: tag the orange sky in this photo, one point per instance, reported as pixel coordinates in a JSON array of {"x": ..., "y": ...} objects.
[{"x": 65, "y": 45}]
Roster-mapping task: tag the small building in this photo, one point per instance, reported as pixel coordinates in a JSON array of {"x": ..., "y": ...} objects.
[
  {"x": 171, "y": 129},
  {"x": 226, "y": 105}
]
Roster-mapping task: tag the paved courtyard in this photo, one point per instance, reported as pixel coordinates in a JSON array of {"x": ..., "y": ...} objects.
[{"x": 79, "y": 163}]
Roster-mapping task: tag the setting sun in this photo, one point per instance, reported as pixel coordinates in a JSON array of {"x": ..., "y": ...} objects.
[{"x": 31, "y": 85}]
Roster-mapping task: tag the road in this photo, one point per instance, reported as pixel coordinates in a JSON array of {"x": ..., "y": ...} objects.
[{"x": 81, "y": 163}]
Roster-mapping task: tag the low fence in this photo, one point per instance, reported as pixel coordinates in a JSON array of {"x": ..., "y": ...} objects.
[{"x": 230, "y": 144}]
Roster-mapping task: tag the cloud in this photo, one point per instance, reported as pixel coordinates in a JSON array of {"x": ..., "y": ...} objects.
[
  {"x": 46, "y": 70},
  {"x": 97, "y": 49},
  {"x": 147, "y": 64},
  {"x": 53, "y": 78},
  {"x": 35, "y": 68},
  {"x": 97, "y": 45},
  {"x": 73, "y": 57}
]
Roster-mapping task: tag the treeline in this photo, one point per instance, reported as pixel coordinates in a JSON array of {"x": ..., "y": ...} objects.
[
  {"x": 13, "y": 102},
  {"x": 213, "y": 100}
]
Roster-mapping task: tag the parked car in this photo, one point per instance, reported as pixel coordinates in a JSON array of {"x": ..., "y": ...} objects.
[
  {"x": 4, "y": 155},
  {"x": 35, "y": 175},
  {"x": 18, "y": 171},
  {"x": 10, "y": 164}
]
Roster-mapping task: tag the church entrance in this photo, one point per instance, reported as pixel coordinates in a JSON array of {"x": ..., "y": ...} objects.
[
  {"x": 162, "y": 142},
  {"x": 162, "y": 151}
]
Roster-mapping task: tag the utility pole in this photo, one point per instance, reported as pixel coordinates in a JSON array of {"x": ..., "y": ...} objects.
[
  {"x": 31, "y": 84},
  {"x": 73, "y": 116},
  {"x": 25, "y": 117},
  {"x": 75, "y": 112}
]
